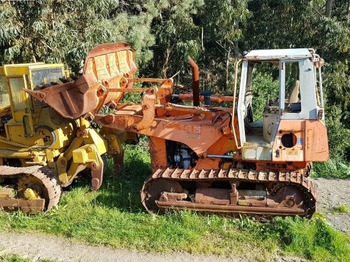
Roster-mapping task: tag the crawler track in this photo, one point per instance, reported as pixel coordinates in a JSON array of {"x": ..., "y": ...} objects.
[
  {"x": 40, "y": 180},
  {"x": 174, "y": 181}
]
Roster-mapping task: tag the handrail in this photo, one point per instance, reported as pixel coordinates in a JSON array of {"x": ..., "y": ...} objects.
[{"x": 234, "y": 103}]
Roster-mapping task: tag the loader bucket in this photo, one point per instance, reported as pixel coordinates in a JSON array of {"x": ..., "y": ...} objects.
[
  {"x": 107, "y": 66},
  {"x": 71, "y": 100}
]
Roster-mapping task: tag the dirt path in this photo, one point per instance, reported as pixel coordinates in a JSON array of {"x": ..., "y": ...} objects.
[
  {"x": 38, "y": 246},
  {"x": 61, "y": 249},
  {"x": 332, "y": 193}
]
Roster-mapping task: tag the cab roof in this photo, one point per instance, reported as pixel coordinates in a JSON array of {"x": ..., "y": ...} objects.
[{"x": 279, "y": 54}]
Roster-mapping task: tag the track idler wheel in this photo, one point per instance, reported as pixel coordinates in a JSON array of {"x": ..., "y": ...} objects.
[
  {"x": 30, "y": 187},
  {"x": 152, "y": 191},
  {"x": 40, "y": 185},
  {"x": 293, "y": 197}
]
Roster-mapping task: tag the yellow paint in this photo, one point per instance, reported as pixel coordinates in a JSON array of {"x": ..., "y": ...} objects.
[
  {"x": 36, "y": 134},
  {"x": 30, "y": 194}
]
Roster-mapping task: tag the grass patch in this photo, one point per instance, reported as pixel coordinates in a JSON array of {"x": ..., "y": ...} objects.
[
  {"x": 17, "y": 258},
  {"x": 314, "y": 240},
  {"x": 13, "y": 258},
  {"x": 114, "y": 216},
  {"x": 187, "y": 231},
  {"x": 332, "y": 168},
  {"x": 342, "y": 209}
]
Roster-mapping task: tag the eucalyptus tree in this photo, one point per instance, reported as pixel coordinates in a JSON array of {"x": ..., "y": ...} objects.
[
  {"x": 177, "y": 36},
  {"x": 207, "y": 30},
  {"x": 221, "y": 23},
  {"x": 56, "y": 30}
]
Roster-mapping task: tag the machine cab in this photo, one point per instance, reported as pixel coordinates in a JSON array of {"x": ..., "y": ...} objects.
[
  {"x": 290, "y": 125},
  {"x": 17, "y": 107}
]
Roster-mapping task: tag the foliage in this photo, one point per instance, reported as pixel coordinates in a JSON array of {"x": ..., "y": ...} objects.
[
  {"x": 332, "y": 168},
  {"x": 337, "y": 83},
  {"x": 13, "y": 258},
  {"x": 176, "y": 36},
  {"x": 281, "y": 24},
  {"x": 221, "y": 23},
  {"x": 338, "y": 133},
  {"x": 265, "y": 89},
  {"x": 342, "y": 209},
  {"x": 53, "y": 31}
]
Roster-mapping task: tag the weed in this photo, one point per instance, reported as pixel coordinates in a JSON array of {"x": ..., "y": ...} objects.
[
  {"x": 343, "y": 209},
  {"x": 17, "y": 258},
  {"x": 12, "y": 258}
]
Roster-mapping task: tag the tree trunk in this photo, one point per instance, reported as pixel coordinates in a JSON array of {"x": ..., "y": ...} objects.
[
  {"x": 165, "y": 66},
  {"x": 202, "y": 38},
  {"x": 227, "y": 80},
  {"x": 329, "y": 5}
]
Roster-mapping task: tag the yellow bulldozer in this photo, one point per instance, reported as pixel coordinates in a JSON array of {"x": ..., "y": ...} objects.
[{"x": 41, "y": 151}]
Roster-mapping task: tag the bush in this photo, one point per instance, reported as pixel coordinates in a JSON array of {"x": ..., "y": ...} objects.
[{"x": 332, "y": 168}]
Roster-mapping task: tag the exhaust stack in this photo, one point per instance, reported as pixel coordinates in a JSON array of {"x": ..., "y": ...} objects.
[{"x": 195, "y": 79}]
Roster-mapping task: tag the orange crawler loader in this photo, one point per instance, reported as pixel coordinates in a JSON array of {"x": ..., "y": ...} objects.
[{"x": 207, "y": 157}]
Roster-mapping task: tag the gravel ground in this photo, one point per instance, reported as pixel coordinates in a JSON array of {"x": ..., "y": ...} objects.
[{"x": 331, "y": 192}]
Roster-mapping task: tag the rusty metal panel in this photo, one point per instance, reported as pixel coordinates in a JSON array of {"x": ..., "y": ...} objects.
[
  {"x": 158, "y": 152},
  {"x": 216, "y": 196},
  {"x": 121, "y": 52},
  {"x": 294, "y": 151},
  {"x": 316, "y": 141}
]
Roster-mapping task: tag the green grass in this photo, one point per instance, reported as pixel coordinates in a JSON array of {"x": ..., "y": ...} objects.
[
  {"x": 333, "y": 168},
  {"x": 342, "y": 209},
  {"x": 114, "y": 216},
  {"x": 13, "y": 258},
  {"x": 17, "y": 258}
]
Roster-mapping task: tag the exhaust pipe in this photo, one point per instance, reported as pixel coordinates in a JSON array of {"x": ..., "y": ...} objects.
[{"x": 195, "y": 81}]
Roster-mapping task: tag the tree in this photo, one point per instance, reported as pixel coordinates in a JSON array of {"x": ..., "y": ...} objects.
[
  {"x": 64, "y": 31},
  {"x": 208, "y": 30},
  {"x": 177, "y": 36},
  {"x": 221, "y": 22}
]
